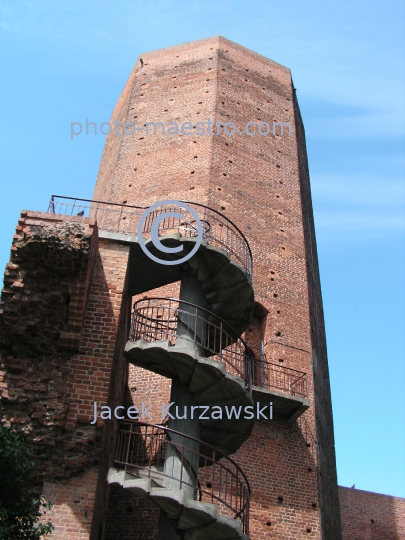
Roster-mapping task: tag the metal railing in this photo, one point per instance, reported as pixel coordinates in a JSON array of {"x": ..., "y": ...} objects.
[
  {"x": 156, "y": 319},
  {"x": 280, "y": 378},
  {"x": 141, "y": 450},
  {"x": 218, "y": 230}
]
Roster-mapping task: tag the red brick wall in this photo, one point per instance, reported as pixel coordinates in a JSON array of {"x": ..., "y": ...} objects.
[
  {"x": 371, "y": 516},
  {"x": 260, "y": 183},
  {"x": 73, "y": 504},
  {"x": 63, "y": 279}
]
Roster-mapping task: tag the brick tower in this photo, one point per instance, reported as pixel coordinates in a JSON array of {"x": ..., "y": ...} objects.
[{"x": 240, "y": 323}]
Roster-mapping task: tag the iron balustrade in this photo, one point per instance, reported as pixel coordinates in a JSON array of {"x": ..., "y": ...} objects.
[
  {"x": 141, "y": 450},
  {"x": 280, "y": 378},
  {"x": 217, "y": 230},
  {"x": 157, "y": 319}
]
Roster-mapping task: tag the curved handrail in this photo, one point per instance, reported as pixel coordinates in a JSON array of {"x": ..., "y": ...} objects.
[
  {"x": 219, "y": 477},
  {"x": 219, "y": 230},
  {"x": 159, "y": 318}
]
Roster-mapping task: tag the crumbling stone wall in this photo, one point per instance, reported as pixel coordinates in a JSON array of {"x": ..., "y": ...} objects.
[{"x": 42, "y": 309}]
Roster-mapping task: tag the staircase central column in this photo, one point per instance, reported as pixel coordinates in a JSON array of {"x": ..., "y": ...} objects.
[{"x": 183, "y": 469}]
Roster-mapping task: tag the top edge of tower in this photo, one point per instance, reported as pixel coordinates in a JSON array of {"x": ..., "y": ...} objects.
[{"x": 218, "y": 43}]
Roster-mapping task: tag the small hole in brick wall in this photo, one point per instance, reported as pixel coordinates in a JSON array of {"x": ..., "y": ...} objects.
[
  {"x": 245, "y": 80},
  {"x": 230, "y": 161},
  {"x": 223, "y": 208},
  {"x": 229, "y": 83},
  {"x": 138, "y": 154},
  {"x": 372, "y": 521},
  {"x": 124, "y": 202},
  {"x": 174, "y": 86},
  {"x": 268, "y": 524},
  {"x": 200, "y": 103},
  {"x": 223, "y": 69},
  {"x": 307, "y": 445},
  {"x": 313, "y": 505},
  {"x": 207, "y": 92},
  {"x": 278, "y": 312},
  {"x": 195, "y": 157},
  {"x": 192, "y": 172},
  {"x": 280, "y": 499},
  {"x": 192, "y": 187},
  {"x": 129, "y": 509},
  {"x": 226, "y": 50},
  {"x": 209, "y": 69},
  {"x": 250, "y": 329},
  {"x": 272, "y": 279},
  {"x": 129, "y": 185},
  {"x": 223, "y": 174},
  {"x": 282, "y": 230},
  {"x": 281, "y": 359},
  {"x": 219, "y": 189},
  {"x": 308, "y": 530},
  {"x": 209, "y": 485},
  {"x": 309, "y": 469},
  {"x": 207, "y": 79},
  {"x": 133, "y": 388},
  {"x": 275, "y": 295},
  {"x": 280, "y": 181},
  {"x": 223, "y": 102},
  {"x": 278, "y": 334},
  {"x": 210, "y": 57},
  {"x": 226, "y": 144},
  {"x": 124, "y": 217},
  {"x": 283, "y": 247},
  {"x": 135, "y": 116},
  {"x": 281, "y": 213}
]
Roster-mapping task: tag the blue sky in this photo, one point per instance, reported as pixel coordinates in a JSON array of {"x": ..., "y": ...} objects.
[{"x": 67, "y": 60}]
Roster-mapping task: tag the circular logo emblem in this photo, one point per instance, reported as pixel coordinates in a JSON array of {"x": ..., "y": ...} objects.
[{"x": 161, "y": 216}]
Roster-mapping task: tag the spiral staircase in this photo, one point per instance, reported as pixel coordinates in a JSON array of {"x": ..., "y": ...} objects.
[{"x": 195, "y": 341}]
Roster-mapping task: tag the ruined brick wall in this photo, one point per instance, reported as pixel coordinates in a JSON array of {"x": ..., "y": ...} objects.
[
  {"x": 371, "y": 516},
  {"x": 64, "y": 323},
  {"x": 261, "y": 184},
  {"x": 51, "y": 259}
]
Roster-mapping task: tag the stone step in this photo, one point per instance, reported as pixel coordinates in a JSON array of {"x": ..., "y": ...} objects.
[{"x": 199, "y": 520}]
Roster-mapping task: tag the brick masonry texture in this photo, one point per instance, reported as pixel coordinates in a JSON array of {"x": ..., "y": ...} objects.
[
  {"x": 262, "y": 185},
  {"x": 371, "y": 516},
  {"x": 66, "y": 303}
]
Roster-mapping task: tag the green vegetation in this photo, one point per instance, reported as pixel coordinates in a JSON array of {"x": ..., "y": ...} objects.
[{"x": 20, "y": 508}]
